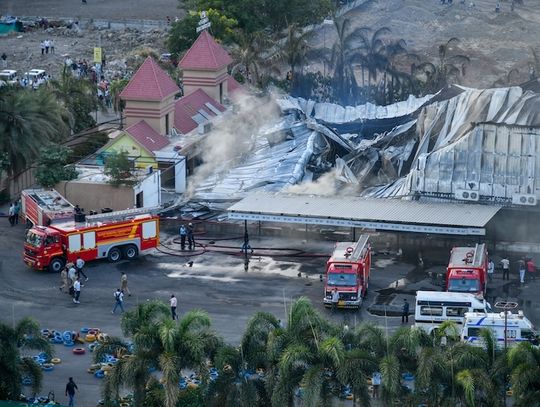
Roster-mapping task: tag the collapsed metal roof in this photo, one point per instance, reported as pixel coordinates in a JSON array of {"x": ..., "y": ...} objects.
[{"x": 462, "y": 144}]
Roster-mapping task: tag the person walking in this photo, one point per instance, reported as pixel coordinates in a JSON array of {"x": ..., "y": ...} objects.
[
  {"x": 79, "y": 263},
  {"x": 17, "y": 210},
  {"x": 119, "y": 300},
  {"x": 505, "y": 263},
  {"x": 174, "y": 304},
  {"x": 72, "y": 276},
  {"x": 64, "y": 279},
  {"x": 376, "y": 379},
  {"x": 70, "y": 391},
  {"x": 124, "y": 284},
  {"x": 531, "y": 269},
  {"x": 183, "y": 234},
  {"x": 42, "y": 45},
  {"x": 51, "y": 45},
  {"x": 335, "y": 298},
  {"x": 190, "y": 237},
  {"x": 405, "y": 312},
  {"x": 4, "y": 59},
  {"x": 522, "y": 267},
  {"x": 490, "y": 269},
  {"x": 77, "y": 290},
  {"x": 11, "y": 214}
]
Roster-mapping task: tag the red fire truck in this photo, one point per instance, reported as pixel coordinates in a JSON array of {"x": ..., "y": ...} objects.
[
  {"x": 44, "y": 207},
  {"x": 467, "y": 270},
  {"x": 348, "y": 271},
  {"x": 113, "y": 235}
]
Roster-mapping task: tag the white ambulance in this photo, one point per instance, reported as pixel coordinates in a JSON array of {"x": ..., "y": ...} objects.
[
  {"x": 519, "y": 328},
  {"x": 435, "y": 307}
]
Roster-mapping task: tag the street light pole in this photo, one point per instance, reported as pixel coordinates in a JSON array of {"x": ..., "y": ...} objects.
[{"x": 505, "y": 306}]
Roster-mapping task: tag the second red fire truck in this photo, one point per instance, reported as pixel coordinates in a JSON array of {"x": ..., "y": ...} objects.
[
  {"x": 467, "y": 270},
  {"x": 348, "y": 271}
]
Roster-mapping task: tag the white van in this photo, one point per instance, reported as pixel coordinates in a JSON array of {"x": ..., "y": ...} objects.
[
  {"x": 9, "y": 76},
  {"x": 435, "y": 307},
  {"x": 519, "y": 328}
]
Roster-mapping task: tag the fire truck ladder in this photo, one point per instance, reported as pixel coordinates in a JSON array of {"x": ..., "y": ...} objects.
[
  {"x": 361, "y": 245},
  {"x": 479, "y": 250},
  {"x": 121, "y": 215}
]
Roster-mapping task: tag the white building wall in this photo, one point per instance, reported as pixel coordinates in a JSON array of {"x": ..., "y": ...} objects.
[{"x": 150, "y": 187}]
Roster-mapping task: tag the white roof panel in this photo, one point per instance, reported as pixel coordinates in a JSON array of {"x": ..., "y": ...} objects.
[{"x": 362, "y": 209}]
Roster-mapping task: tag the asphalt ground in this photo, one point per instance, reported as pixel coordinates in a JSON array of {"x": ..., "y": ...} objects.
[{"x": 216, "y": 282}]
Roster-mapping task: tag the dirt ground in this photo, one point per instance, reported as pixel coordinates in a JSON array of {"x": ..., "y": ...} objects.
[
  {"x": 102, "y": 9},
  {"x": 497, "y": 43}
]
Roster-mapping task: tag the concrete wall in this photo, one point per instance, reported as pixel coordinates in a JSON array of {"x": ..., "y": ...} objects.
[
  {"x": 206, "y": 80},
  {"x": 95, "y": 196},
  {"x": 150, "y": 187},
  {"x": 152, "y": 112}
]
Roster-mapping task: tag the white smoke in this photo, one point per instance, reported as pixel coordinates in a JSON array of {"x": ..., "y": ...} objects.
[
  {"x": 233, "y": 137},
  {"x": 329, "y": 184}
]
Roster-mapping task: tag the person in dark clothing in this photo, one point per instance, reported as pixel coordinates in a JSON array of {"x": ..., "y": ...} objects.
[
  {"x": 405, "y": 312},
  {"x": 190, "y": 238},
  {"x": 70, "y": 391}
]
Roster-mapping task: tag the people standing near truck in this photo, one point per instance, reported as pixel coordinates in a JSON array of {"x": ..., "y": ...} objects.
[
  {"x": 4, "y": 59},
  {"x": 183, "y": 235},
  {"x": 531, "y": 269},
  {"x": 521, "y": 268},
  {"x": 70, "y": 391},
  {"x": 64, "y": 279},
  {"x": 124, "y": 284},
  {"x": 119, "y": 300},
  {"x": 505, "y": 263},
  {"x": 174, "y": 304},
  {"x": 490, "y": 269},
  {"x": 11, "y": 214},
  {"x": 335, "y": 298},
  {"x": 190, "y": 237},
  {"x": 79, "y": 263},
  {"x": 77, "y": 290},
  {"x": 405, "y": 312},
  {"x": 17, "y": 210}
]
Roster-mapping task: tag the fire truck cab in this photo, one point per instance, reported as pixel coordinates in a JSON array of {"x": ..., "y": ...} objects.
[
  {"x": 348, "y": 270},
  {"x": 114, "y": 235},
  {"x": 467, "y": 270}
]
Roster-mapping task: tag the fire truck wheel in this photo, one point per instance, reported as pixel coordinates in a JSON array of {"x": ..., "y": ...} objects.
[
  {"x": 130, "y": 252},
  {"x": 114, "y": 255},
  {"x": 56, "y": 265}
]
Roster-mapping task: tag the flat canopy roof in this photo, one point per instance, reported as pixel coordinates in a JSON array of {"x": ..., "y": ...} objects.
[{"x": 383, "y": 214}]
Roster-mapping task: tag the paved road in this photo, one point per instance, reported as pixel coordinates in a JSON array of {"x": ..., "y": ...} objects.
[{"x": 216, "y": 283}]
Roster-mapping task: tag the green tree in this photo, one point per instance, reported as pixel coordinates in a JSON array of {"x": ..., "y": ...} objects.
[
  {"x": 52, "y": 166},
  {"x": 118, "y": 168},
  {"x": 183, "y": 33},
  {"x": 24, "y": 336},
  {"x": 524, "y": 361},
  {"x": 79, "y": 96},
  {"x": 29, "y": 121}
]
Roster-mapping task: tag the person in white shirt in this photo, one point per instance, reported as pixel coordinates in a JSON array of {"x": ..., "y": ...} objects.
[
  {"x": 79, "y": 263},
  {"x": 173, "y": 303},
  {"x": 491, "y": 269},
  {"x": 119, "y": 297},
  {"x": 505, "y": 263},
  {"x": 76, "y": 291},
  {"x": 72, "y": 276}
]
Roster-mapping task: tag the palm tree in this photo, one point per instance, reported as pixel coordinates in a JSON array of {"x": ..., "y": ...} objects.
[
  {"x": 79, "y": 96},
  {"x": 142, "y": 325},
  {"x": 524, "y": 361},
  {"x": 29, "y": 120},
  {"x": 186, "y": 345},
  {"x": 249, "y": 56},
  {"x": 449, "y": 67},
  {"x": 344, "y": 56},
  {"x": 14, "y": 364}
]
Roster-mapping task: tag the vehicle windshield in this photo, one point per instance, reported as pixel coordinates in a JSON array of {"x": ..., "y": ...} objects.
[
  {"x": 341, "y": 279},
  {"x": 34, "y": 239},
  {"x": 464, "y": 285}
]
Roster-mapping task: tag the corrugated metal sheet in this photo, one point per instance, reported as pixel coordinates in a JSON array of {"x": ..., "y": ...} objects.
[{"x": 385, "y": 210}]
